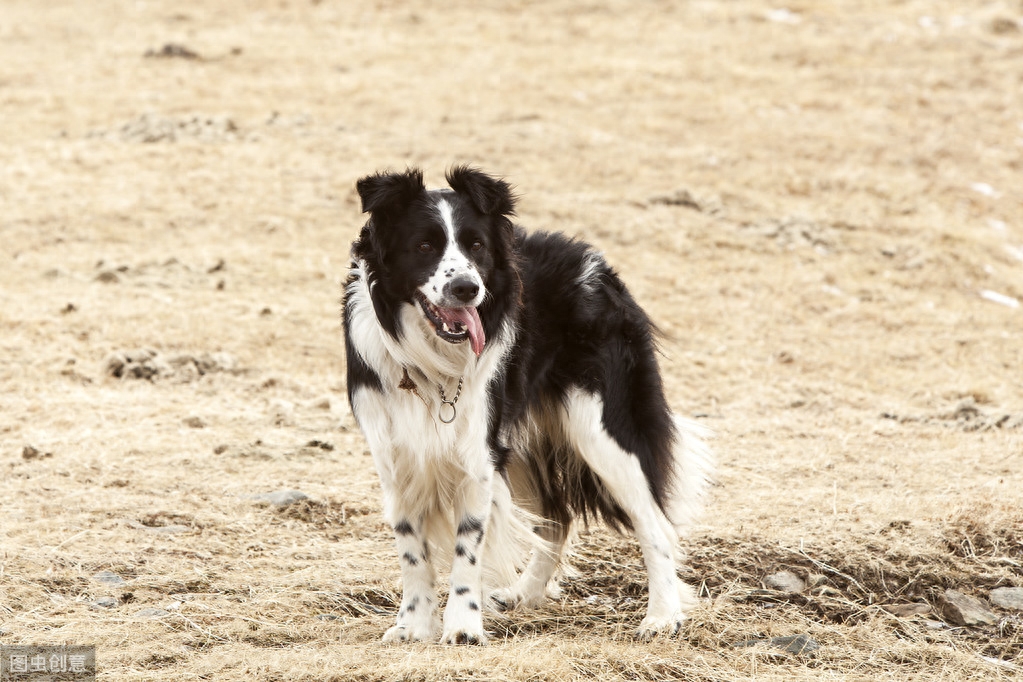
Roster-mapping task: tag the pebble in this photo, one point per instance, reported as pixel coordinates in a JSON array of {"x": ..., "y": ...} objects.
[
  {"x": 907, "y": 610},
  {"x": 194, "y": 422},
  {"x": 962, "y": 609},
  {"x": 104, "y": 603},
  {"x": 1007, "y": 597},
  {"x": 108, "y": 277},
  {"x": 30, "y": 452},
  {"x": 109, "y": 578},
  {"x": 793, "y": 644},
  {"x": 796, "y": 644},
  {"x": 322, "y": 403},
  {"x": 281, "y": 498},
  {"x": 152, "y": 613},
  {"x": 785, "y": 581}
]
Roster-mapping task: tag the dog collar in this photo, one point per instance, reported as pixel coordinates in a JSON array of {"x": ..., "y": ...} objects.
[{"x": 406, "y": 384}]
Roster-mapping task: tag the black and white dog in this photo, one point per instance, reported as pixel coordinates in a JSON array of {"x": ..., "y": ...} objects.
[{"x": 506, "y": 384}]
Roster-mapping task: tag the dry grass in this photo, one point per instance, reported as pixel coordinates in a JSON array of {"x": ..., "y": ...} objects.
[{"x": 811, "y": 204}]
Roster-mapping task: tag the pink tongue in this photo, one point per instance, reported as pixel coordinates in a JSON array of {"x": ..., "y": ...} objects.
[{"x": 471, "y": 319}]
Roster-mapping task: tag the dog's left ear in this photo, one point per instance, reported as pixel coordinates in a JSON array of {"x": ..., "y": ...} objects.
[{"x": 490, "y": 196}]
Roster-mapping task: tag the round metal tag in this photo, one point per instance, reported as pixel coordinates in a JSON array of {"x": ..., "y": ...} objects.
[{"x": 447, "y": 408}]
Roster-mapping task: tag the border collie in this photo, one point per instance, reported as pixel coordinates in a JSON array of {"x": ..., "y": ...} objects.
[{"x": 507, "y": 385}]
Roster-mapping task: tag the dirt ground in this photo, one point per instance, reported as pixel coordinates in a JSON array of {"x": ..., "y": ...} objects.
[{"x": 819, "y": 202}]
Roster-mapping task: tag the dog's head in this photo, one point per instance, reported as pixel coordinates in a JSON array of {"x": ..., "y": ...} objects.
[{"x": 447, "y": 251}]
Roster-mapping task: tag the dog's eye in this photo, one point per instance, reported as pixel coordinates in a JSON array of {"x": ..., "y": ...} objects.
[
  {"x": 476, "y": 245},
  {"x": 425, "y": 247}
]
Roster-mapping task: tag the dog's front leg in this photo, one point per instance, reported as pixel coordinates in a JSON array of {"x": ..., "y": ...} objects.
[
  {"x": 463, "y": 619},
  {"x": 417, "y": 617}
]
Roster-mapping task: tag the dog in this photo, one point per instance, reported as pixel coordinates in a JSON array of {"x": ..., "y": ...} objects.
[{"x": 507, "y": 385}]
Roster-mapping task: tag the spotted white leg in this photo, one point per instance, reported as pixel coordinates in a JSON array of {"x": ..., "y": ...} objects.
[
  {"x": 531, "y": 587},
  {"x": 463, "y": 618},
  {"x": 621, "y": 474},
  {"x": 417, "y": 616}
]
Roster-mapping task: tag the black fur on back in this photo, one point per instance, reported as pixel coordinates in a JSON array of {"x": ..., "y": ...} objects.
[{"x": 595, "y": 336}]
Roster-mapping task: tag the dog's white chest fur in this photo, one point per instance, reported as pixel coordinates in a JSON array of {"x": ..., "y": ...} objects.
[{"x": 415, "y": 370}]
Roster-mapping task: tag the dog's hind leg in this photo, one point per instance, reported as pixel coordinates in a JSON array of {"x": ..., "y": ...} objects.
[
  {"x": 621, "y": 475},
  {"x": 531, "y": 587}
]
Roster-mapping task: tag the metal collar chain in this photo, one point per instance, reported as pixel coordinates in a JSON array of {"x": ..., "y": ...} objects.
[{"x": 445, "y": 403}]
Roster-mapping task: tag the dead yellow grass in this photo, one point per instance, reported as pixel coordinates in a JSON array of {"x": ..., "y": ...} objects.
[{"x": 812, "y": 205}]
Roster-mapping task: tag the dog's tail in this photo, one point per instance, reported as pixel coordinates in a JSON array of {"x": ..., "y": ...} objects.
[
  {"x": 510, "y": 537},
  {"x": 692, "y": 471}
]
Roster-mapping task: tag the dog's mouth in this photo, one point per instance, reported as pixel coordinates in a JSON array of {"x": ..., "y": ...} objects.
[{"x": 455, "y": 325}]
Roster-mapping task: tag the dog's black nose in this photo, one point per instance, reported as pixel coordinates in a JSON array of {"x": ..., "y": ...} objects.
[{"x": 464, "y": 289}]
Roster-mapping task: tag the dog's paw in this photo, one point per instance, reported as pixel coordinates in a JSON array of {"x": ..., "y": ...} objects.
[
  {"x": 505, "y": 599},
  {"x": 464, "y": 636},
  {"x": 408, "y": 633},
  {"x": 511, "y": 598},
  {"x": 653, "y": 626}
]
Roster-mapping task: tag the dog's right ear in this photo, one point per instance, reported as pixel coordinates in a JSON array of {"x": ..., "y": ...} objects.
[{"x": 387, "y": 194}]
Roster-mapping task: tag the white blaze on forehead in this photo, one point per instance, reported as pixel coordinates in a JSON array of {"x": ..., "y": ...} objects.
[
  {"x": 447, "y": 217},
  {"x": 453, "y": 262}
]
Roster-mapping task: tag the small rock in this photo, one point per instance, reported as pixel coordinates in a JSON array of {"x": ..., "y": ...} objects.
[
  {"x": 796, "y": 644},
  {"x": 281, "y": 498},
  {"x": 104, "y": 603},
  {"x": 30, "y": 452},
  {"x": 171, "y": 529},
  {"x": 172, "y": 51},
  {"x": 195, "y": 422},
  {"x": 109, "y": 578},
  {"x": 1008, "y": 597},
  {"x": 1004, "y": 25},
  {"x": 962, "y": 609},
  {"x": 322, "y": 403},
  {"x": 152, "y": 613},
  {"x": 785, "y": 581},
  {"x": 220, "y": 449},
  {"x": 793, "y": 644},
  {"x": 141, "y": 363},
  {"x": 108, "y": 277},
  {"x": 907, "y": 610},
  {"x": 682, "y": 197}
]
